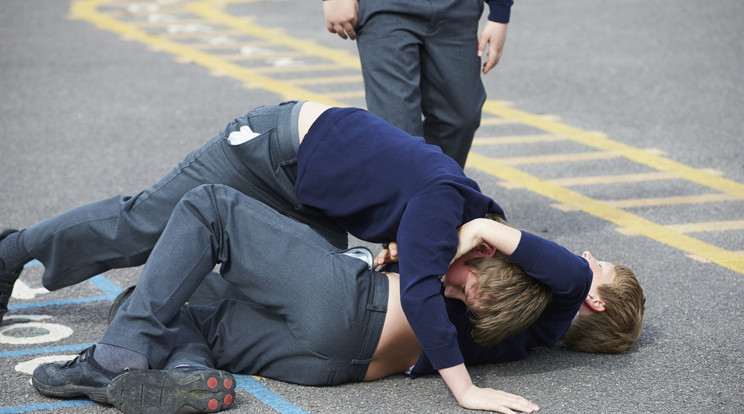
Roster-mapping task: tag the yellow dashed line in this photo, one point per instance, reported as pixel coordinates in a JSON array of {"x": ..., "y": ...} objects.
[
  {"x": 607, "y": 212},
  {"x": 266, "y": 55},
  {"x": 599, "y": 141},
  {"x": 327, "y": 80},
  {"x": 88, "y": 11},
  {"x": 319, "y": 67},
  {"x": 206, "y": 10},
  {"x": 613, "y": 179},
  {"x": 517, "y": 139},
  {"x": 555, "y": 158},
  {"x": 673, "y": 201},
  {"x": 726, "y": 225}
]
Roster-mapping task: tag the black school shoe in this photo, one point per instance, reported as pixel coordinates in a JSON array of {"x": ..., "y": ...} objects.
[
  {"x": 80, "y": 377},
  {"x": 8, "y": 278},
  {"x": 172, "y": 391}
]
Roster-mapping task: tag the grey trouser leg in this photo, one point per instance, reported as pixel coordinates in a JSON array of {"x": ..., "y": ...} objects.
[
  {"x": 121, "y": 231},
  {"x": 419, "y": 57},
  {"x": 311, "y": 314}
]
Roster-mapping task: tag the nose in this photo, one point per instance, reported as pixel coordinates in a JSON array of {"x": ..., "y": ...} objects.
[{"x": 587, "y": 255}]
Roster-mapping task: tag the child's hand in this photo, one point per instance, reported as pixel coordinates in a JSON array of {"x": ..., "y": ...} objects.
[
  {"x": 387, "y": 255},
  {"x": 470, "y": 237},
  {"x": 493, "y": 400}
]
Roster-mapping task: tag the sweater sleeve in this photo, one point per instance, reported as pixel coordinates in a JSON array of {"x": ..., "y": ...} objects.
[
  {"x": 427, "y": 241},
  {"x": 499, "y": 10}
]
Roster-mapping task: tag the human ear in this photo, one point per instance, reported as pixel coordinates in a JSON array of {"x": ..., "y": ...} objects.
[
  {"x": 594, "y": 303},
  {"x": 484, "y": 250}
]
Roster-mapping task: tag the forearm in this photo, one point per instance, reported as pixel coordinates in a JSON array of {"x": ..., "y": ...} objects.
[
  {"x": 457, "y": 379},
  {"x": 497, "y": 235}
]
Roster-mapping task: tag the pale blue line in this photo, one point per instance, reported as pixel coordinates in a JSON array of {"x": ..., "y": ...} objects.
[
  {"x": 59, "y": 302},
  {"x": 108, "y": 287},
  {"x": 266, "y": 396},
  {"x": 45, "y": 406},
  {"x": 47, "y": 350}
]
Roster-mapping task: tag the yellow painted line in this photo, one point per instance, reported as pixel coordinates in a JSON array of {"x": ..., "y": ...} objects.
[
  {"x": 148, "y": 24},
  {"x": 607, "y": 212},
  {"x": 673, "y": 201},
  {"x": 232, "y": 45},
  {"x": 320, "y": 67},
  {"x": 87, "y": 10},
  {"x": 600, "y": 142},
  {"x": 146, "y": 11},
  {"x": 207, "y": 10},
  {"x": 268, "y": 55},
  {"x": 496, "y": 121},
  {"x": 726, "y": 225},
  {"x": 516, "y": 139},
  {"x": 345, "y": 95},
  {"x": 201, "y": 35},
  {"x": 555, "y": 158},
  {"x": 613, "y": 179},
  {"x": 326, "y": 80}
]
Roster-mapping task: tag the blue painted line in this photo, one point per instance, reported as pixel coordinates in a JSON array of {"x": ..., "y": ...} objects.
[
  {"x": 60, "y": 302},
  {"x": 266, "y": 396},
  {"x": 47, "y": 350},
  {"x": 45, "y": 406},
  {"x": 108, "y": 287}
]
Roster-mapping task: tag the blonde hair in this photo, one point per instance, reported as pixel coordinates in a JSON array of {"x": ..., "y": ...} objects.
[
  {"x": 614, "y": 330},
  {"x": 506, "y": 300}
]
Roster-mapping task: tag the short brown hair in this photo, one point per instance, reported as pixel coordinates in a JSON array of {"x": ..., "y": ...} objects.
[
  {"x": 506, "y": 300},
  {"x": 614, "y": 330}
]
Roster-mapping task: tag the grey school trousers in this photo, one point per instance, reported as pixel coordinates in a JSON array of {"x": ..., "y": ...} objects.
[
  {"x": 419, "y": 58},
  {"x": 121, "y": 231},
  {"x": 307, "y": 313}
]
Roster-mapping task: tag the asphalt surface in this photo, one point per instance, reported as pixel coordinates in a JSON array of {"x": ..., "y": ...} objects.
[{"x": 103, "y": 98}]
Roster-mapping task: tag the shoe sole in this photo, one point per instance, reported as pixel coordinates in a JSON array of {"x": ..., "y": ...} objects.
[
  {"x": 172, "y": 391},
  {"x": 97, "y": 394}
]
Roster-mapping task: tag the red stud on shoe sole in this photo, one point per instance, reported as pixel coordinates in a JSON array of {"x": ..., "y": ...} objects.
[{"x": 212, "y": 383}]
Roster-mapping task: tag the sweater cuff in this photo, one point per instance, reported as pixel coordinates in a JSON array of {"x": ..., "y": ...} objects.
[
  {"x": 445, "y": 357},
  {"x": 499, "y": 10}
]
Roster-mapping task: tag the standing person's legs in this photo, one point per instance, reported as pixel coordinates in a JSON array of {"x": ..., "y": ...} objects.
[
  {"x": 451, "y": 87},
  {"x": 389, "y": 46},
  {"x": 121, "y": 231}
]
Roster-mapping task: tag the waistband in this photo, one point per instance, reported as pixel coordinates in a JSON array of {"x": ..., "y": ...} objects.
[
  {"x": 288, "y": 127},
  {"x": 376, "y": 311}
]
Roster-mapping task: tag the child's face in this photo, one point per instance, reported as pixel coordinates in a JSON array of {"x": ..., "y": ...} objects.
[
  {"x": 461, "y": 280},
  {"x": 604, "y": 272}
]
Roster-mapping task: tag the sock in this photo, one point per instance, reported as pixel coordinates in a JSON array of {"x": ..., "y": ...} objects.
[
  {"x": 13, "y": 254},
  {"x": 117, "y": 359}
]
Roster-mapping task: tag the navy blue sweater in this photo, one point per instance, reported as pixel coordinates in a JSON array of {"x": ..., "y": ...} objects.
[{"x": 381, "y": 184}]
